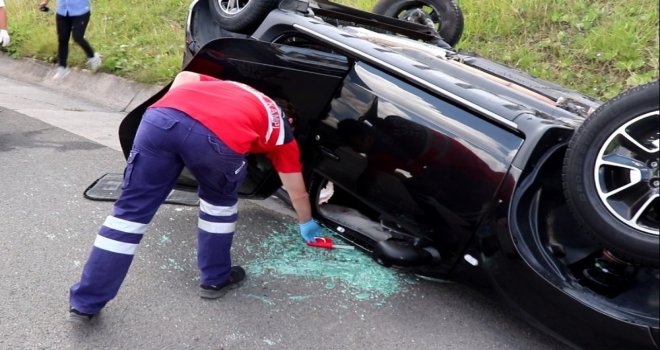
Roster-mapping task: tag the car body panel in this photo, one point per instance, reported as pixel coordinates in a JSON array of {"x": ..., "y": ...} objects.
[
  {"x": 423, "y": 153},
  {"x": 448, "y": 78},
  {"x": 545, "y": 288}
]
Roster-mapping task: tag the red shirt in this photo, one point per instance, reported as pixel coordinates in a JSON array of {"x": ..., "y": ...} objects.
[{"x": 246, "y": 120}]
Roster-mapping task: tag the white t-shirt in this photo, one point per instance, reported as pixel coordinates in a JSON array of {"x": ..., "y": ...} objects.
[{"x": 2, "y": 3}]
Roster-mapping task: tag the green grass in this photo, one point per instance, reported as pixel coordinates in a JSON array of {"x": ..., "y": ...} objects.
[{"x": 598, "y": 47}]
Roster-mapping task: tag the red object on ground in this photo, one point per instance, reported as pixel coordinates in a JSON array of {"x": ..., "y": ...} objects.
[{"x": 326, "y": 242}]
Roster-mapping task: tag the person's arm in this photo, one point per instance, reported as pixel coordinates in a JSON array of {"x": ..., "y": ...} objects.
[
  {"x": 3, "y": 18},
  {"x": 43, "y": 4},
  {"x": 4, "y": 34},
  {"x": 295, "y": 186},
  {"x": 286, "y": 161}
]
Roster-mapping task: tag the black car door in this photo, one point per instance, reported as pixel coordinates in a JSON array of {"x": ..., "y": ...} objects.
[{"x": 409, "y": 164}]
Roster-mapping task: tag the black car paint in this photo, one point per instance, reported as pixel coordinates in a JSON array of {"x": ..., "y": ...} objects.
[
  {"x": 503, "y": 243},
  {"x": 422, "y": 204}
]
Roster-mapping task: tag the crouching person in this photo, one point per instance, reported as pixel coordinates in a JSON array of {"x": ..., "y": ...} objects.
[{"x": 209, "y": 126}]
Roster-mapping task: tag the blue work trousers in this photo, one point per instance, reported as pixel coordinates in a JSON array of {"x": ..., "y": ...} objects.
[{"x": 166, "y": 141}]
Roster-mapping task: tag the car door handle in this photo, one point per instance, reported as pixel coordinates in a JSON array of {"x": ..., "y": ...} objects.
[{"x": 329, "y": 153}]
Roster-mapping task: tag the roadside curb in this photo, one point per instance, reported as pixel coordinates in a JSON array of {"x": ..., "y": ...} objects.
[{"x": 119, "y": 94}]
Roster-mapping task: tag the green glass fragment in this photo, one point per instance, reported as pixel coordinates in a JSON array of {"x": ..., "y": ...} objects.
[{"x": 354, "y": 273}]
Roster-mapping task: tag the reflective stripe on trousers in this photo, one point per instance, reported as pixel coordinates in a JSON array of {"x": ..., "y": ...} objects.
[{"x": 166, "y": 140}]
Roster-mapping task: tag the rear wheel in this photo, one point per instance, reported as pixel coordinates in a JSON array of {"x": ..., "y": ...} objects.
[
  {"x": 442, "y": 15},
  {"x": 611, "y": 174},
  {"x": 240, "y": 16}
]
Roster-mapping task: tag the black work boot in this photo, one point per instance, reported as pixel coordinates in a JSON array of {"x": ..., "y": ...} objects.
[{"x": 236, "y": 276}]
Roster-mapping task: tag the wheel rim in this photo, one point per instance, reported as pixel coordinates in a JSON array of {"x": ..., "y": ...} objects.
[
  {"x": 423, "y": 14},
  {"x": 233, "y": 7},
  {"x": 626, "y": 173}
]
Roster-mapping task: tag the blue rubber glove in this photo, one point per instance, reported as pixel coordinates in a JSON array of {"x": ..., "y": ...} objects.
[{"x": 310, "y": 230}]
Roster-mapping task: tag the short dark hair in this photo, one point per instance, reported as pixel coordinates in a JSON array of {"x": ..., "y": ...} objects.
[{"x": 286, "y": 107}]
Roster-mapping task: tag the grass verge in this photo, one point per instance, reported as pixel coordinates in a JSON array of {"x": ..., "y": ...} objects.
[{"x": 598, "y": 47}]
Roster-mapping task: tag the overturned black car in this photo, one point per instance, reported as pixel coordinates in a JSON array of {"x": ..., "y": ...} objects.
[{"x": 452, "y": 165}]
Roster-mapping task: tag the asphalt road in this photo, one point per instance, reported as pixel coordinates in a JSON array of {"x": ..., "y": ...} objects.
[{"x": 53, "y": 145}]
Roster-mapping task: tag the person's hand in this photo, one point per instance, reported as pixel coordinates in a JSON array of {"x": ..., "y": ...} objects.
[
  {"x": 4, "y": 38},
  {"x": 310, "y": 230},
  {"x": 43, "y": 5}
]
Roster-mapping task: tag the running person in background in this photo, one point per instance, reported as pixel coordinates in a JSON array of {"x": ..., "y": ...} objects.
[
  {"x": 209, "y": 126},
  {"x": 4, "y": 28},
  {"x": 72, "y": 17}
]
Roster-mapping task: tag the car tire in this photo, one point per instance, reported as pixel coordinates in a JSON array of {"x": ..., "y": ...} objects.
[
  {"x": 240, "y": 16},
  {"x": 610, "y": 175},
  {"x": 445, "y": 14}
]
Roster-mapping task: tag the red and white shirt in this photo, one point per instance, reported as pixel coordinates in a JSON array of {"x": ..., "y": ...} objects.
[{"x": 246, "y": 120}]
